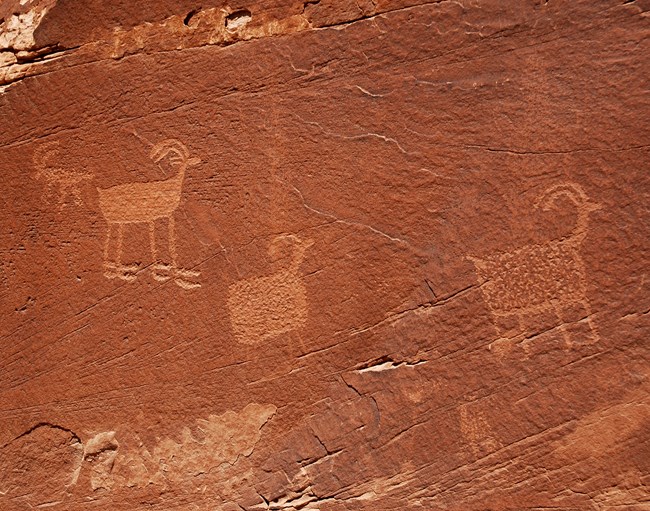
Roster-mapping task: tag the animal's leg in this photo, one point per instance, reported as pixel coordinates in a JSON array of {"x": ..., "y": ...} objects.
[
  {"x": 62, "y": 195},
  {"x": 107, "y": 243},
  {"x": 522, "y": 332},
  {"x": 48, "y": 192},
  {"x": 172, "y": 239},
  {"x": 503, "y": 324},
  {"x": 125, "y": 272},
  {"x": 51, "y": 191},
  {"x": 120, "y": 236},
  {"x": 593, "y": 330},
  {"x": 66, "y": 192},
  {"x": 577, "y": 325},
  {"x": 160, "y": 270},
  {"x": 182, "y": 275},
  {"x": 297, "y": 347},
  {"x": 109, "y": 266},
  {"x": 152, "y": 241},
  {"x": 557, "y": 308},
  {"x": 76, "y": 195}
]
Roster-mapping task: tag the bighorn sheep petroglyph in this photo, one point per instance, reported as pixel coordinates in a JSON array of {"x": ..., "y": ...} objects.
[
  {"x": 541, "y": 277},
  {"x": 145, "y": 203}
]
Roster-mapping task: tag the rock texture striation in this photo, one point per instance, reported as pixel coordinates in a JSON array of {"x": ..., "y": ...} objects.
[{"x": 328, "y": 255}]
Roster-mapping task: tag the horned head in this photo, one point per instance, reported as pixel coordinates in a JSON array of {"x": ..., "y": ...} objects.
[
  {"x": 285, "y": 244},
  {"x": 43, "y": 156},
  {"x": 571, "y": 191},
  {"x": 178, "y": 153}
]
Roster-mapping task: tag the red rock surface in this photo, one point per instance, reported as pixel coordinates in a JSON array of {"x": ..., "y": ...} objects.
[{"x": 332, "y": 255}]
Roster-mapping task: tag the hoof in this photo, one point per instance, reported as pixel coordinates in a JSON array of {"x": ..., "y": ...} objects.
[
  {"x": 183, "y": 276},
  {"x": 161, "y": 272},
  {"x": 121, "y": 271},
  {"x": 186, "y": 284},
  {"x": 110, "y": 272}
]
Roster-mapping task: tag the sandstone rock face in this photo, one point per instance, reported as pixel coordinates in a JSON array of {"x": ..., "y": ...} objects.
[{"x": 326, "y": 255}]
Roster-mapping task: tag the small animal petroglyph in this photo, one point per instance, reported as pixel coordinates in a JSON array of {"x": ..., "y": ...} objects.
[
  {"x": 145, "y": 203},
  {"x": 264, "y": 307},
  {"x": 538, "y": 278},
  {"x": 59, "y": 181}
]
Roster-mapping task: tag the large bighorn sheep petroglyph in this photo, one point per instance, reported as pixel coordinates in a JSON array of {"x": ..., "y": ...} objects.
[
  {"x": 541, "y": 277},
  {"x": 145, "y": 203}
]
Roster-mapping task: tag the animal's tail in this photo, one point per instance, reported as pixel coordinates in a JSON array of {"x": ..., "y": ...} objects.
[
  {"x": 479, "y": 264},
  {"x": 573, "y": 192}
]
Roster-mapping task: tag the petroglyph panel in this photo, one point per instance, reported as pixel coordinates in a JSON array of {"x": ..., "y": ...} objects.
[
  {"x": 100, "y": 453},
  {"x": 477, "y": 431},
  {"x": 353, "y": 154}
]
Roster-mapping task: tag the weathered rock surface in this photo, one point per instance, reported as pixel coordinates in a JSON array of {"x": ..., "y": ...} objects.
[{"x": 324, "y": 255}]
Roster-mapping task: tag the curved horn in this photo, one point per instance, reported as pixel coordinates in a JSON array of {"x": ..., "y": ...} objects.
[
  {"x": 580, "y": 199},
  {"x": 43, "y": 152},
  {"x": 572, "y": 191},
  {"x": 166, "y": 146}
]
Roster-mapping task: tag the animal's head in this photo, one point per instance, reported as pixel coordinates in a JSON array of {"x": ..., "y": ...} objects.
[
  {"x": 45, "y": 159},
  {"x": 281, "y": 245},
  {"x": 570, "y": 191},
  {"x": 175, "y": 152},
  {"x": 288, "y": 245}
]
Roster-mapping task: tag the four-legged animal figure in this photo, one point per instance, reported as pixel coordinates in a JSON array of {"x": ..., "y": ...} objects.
[
  {"x": 145, "y": 203},
  {"x": 58, "y": 180},
  {"x": 265, "y": 307},
  {"x": 538, "y": 278}
]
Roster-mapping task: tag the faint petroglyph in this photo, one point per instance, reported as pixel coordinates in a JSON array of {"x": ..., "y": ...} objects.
[
  {"x": 264, "y": 307},
  {"x": 477, "y": 431},
  {"x": 60, "y": 183},
  {"x": 302, "y": 496},
  {"x": 604, "y": 432},
  {"x": 540, "y": 277},
  {"x": 39, "y": 466},
  {"x": 219, "y": 440},
  {"x": 7, "y": 268},
  {"x": 610, "y": 437},
  {"x": 213, "y": 445},
  {"x": 100, "y": 453},
  {"x": 146, "y": 203}
]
